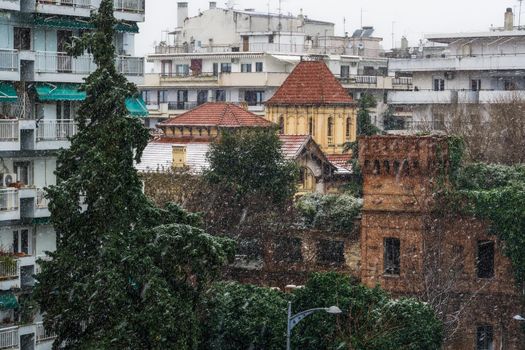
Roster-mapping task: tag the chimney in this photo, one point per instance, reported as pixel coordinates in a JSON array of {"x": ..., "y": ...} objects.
[
  {"x": 182, "y": 13},
  {"x": 213, "y": 5},
  {"x": 404, "y": 43},
  {"x": 509, "y": 19}
]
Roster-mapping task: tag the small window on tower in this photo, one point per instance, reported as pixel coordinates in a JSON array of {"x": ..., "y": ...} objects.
[
  {"x": 392, "y": 256},
  {"x": 485, "y": 260}
]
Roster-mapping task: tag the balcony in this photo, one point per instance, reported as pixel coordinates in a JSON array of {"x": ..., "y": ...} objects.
[
  {"x": 9, "y": 65},
  {"x": 256, "y": 79},
  {"x": 459, "y": 63},
  {"x": 65, "y": 7},
  {"x": 9, "y": 135},
  {"x": 10, "y": 5},
  {"x": 59, "y": 66},
  {"x": 9, "y": 338},
  {"x": 184, "y": 79},
  {"x": 422, "y": 97},
  {"x": 132, "y": 68},
  {"x": 500, "y": 96},
  {"x": 42, "y": 335},
  {"x": 130, "y": 10},
  {"x": 54, "y": 134},
  {"x": 9, "y": 204}
]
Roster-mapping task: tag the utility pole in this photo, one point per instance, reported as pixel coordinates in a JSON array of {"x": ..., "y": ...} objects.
[{"x": 361, "y": 17}]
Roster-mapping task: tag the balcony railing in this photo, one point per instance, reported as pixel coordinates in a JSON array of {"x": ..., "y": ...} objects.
[
  {"x": 9, "y": 269},
  {"x": 256, "y": 47},
  {"x": 131, "y": 66},
  {"x": 61, "y": 62},
  {"x": 9, "y": 130},
  {"x": 9, "y": 338},
  {"x": 366, "y": 79},
  {"x": 402, "y": 81},
  {"x": 42, "y": 334},
  {"x": 56, "y": 130},
  {"x": 41, "y": 201},
  {"x": 72, "y": 3},
  {"x": 8, "y": 199},
  {"x": 9, "y": 60},
  {"x": 136, "y": 6},
  {"x": 173, "y": 106}
]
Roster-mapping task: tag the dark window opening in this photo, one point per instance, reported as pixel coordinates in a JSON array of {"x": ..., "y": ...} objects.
[
  {"x": 392, "y": 256},
  {"x": 250, "y": 248},
  {"x": 330, "y": 126},
  {"x": 476, "y": 84},
  {"x": 331, "y": 252},
  {"x": 22, "y": 40},
  {"x": 202, "y": 97},
  {"x": 226, "y": 67},
  {"x": 310, "y": 126},
  {"x": 254, "y": 98},
  {"x": 396, "y": 167},
  {"x": 345, "y": 71},
  {"x": 220, "y": 95},
  {"x": 215, "y": 69},
  {"x": 485, "y": 338},
  {"x": 288, "y": 250},
  {"x": 386, "y": 165},
  {"x": 281, "y": 125},
  {"x": 377, "y": 167},
  {"x": 258, "y": 67},
  {"x": 439, "y": 84},
  {"x": 246, "y": 68},
  {"x": 485, "y": 260}
]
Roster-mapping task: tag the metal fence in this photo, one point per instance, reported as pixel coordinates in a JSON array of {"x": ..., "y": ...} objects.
[
  {"x": 9, "y": 269},
  {"x": 60, "y": 62},
  {"x": 9, "y": 60},
  {"x": 131, "y": 66},
  {"x": 137, "y": 6},
  {"x": 8, "y": 199},
  {"x": 9, "y": 131},
  {"x": 56, "y": 130},
  {"x": 9, "y": 338},
  {"x": 42, "y": 334}
]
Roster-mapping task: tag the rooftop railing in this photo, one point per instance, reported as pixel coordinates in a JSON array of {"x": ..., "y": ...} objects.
[
  {"x": 9, "y": 130},
  {"x": 136, "y": 6}
]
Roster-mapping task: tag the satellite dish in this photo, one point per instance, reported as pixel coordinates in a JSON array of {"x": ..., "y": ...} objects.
[{"x": 411, "y": 50}]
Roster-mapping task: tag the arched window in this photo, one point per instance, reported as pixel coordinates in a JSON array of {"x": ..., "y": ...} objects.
[
  {"x": 310, "y": 126},
  {"x": 281, "y": 125},
  {"x": 306, "y": 180},
  {"x": 330, "y": 126},
  {"x": 348, "y": 128}
]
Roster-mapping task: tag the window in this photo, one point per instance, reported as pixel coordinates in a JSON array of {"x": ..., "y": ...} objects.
[
  {"x": 509, "y": 85},
  {"x": 392, "y": 253},
  {"x": 258, "y": 67},
  {"x": 246, "y": 68},
  {"x": 162, "y": 96},
  {"x": 288, "y": 250},
  {"x": 202, "y": 97},
  {"x": 182, "y": 98},
  {"x": 485, "y": 338},
  {"x": 64, "y": 110},
  {"x": 476, "y": 84},
  {"x": 22, "y": 241},
  {"x": 331, "y": 252},
  {"x": 348, "y": 130},
  {"x": 179, "y": 156},
  {"x": 271, "y": 39},
  {"x": 24, "y": 172},
  {"x": 226, "y": 67},
  {"x": 166, "y": 67},
  {"x": 485, "y": 260},
  {"x": 146, "y": 96},
  {"x": 22, "y": 40},
  {"x": 330, "y": 126},
  {"x": 306, "y": 180},
  {"x": 310, "y": 126},
  {"x": 220, "y": 95},
  {"x": 439, "y": 84},
  {"x": 345, "y": 71},
  {"x": 64, "y": 61},
  {"x": 254, "y": 98},
  {"x": 215, "y": 69},
  {"x": 182, "y": 69}
]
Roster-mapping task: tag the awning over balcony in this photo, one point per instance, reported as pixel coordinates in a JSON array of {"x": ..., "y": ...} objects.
[
  {"x": 8, "y": 301},
  {"x": 136, "y": 107},
  {"x": 59, "y": 92},
  {"x": 7, "y": 93},
  {"x": 79, "y": 23}
]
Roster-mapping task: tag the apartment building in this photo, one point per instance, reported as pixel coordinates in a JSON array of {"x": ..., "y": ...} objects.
[
  {"x": 39, "y": 98},
  {"x": 243, "y": 56},
  {"x": 463, "y": 69}
]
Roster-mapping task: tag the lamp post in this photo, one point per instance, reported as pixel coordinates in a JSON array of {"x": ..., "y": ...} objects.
[{"x": 295, "y": 319}]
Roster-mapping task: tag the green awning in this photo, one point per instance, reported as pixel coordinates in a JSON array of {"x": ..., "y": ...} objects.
[
  {"x": 79, "y": 23},
  {"x": 7, "y": 93},
  {"x": 8, "y": 301},
  {"x": 59, "y": 92},
  {"x": 136, "y": 107}
]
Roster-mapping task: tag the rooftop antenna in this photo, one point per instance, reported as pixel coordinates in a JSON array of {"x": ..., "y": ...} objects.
[
  {"x": 269, "y": 23},
  {"x": 361, "y": 17},
  {"x": 344, "y": 26}
]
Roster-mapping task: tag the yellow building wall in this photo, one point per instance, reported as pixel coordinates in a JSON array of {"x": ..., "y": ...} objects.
[{"x": 295, "y": 120}]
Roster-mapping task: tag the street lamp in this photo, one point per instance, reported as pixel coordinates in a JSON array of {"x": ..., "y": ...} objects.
[
  {"x": 518, "y": 318},
  {"x": 295, "y": 319}
]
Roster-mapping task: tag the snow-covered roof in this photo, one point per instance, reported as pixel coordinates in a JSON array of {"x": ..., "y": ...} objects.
[{"x": 158, "y": 156}]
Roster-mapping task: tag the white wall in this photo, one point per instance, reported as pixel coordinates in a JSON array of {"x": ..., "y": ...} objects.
[{"x": 45, "y": 239}]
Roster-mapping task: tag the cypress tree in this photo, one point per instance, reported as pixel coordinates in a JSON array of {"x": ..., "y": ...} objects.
[{"x": 125, "y": 275}]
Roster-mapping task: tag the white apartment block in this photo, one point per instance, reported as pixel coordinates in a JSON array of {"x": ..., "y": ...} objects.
[
  {"x": 39, "y": 98},
  {"x": 243, "y": 56},
  {"x": 468, "y": 68}
]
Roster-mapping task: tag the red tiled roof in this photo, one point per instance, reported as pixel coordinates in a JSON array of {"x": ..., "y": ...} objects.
[
  {"x": 293, "y": 144},
  {"x": 341, "y": 162},
  {"x": 217, "y": 114},
  {"x": 311, "y": 83}
]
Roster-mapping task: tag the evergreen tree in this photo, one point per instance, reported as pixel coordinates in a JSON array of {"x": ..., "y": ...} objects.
[
  {"x": 364, "y": 120},
  {"x": 125, "y": 275}
]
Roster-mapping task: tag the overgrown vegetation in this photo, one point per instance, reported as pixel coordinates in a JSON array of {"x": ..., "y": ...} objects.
[
  {"x": 329, "y": 212},
  {"x": 247, "y": 317}
]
